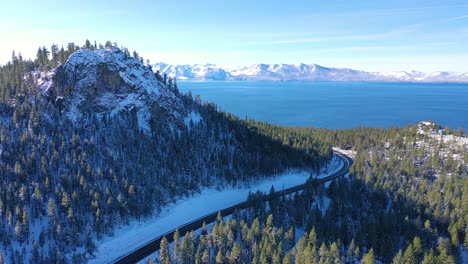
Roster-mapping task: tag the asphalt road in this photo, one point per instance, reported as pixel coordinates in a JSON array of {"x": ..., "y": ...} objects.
[{"x": 153, "y": 245}]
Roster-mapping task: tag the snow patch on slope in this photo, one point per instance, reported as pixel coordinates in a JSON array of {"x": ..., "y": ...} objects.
[{"x": 192, "y": 116}]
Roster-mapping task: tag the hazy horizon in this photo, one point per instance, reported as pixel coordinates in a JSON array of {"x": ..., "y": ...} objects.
[{"x": 399, "y": 35}]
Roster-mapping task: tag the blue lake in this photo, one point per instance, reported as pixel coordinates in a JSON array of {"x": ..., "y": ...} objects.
[{"x": 338, "y": 104}]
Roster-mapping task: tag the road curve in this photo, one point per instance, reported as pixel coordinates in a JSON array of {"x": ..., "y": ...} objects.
[{"x": 152, "y": 246}]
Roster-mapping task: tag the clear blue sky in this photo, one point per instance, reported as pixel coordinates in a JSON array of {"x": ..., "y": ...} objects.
[{"x": 370, "y": 35}]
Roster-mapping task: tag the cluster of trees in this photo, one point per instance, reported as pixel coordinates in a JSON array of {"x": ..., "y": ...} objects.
[
  {"x": 16, "y": 79},
  {"x": 18, "y": 76},
  {"x": 356, "y": 138},
  {"x": 309, "y": 140},
  {"x": 405, "y": 201},
  {"x": 62, "y": 178},
  {"x": 239, "y": 241},
  {"x": 264, "y": 239},
  {"x": 428, "y": 177},
  {"x": 232, "y": 241},
  {"x": 424, "y": 177}
]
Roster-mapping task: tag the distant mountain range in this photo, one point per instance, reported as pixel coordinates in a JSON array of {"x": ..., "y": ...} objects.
[{"x": 299, "y": 72}]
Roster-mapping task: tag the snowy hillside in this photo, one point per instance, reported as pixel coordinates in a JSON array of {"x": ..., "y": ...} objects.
[
  {"x": 299, "y": 72},
  {"x": 96, "y": 140}
]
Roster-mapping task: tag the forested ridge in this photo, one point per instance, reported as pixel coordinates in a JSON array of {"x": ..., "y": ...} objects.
[
  {"x": 405, "y": 201},
  {"x": 65, "y": 184}
]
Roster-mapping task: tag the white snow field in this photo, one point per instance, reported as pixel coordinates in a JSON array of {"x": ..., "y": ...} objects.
[{"x": 129, "y": 237}]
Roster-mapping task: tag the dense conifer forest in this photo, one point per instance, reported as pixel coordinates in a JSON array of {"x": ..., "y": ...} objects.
[
  {"x": 65, "y": 185},
  {"x": 405, "y": 201}
]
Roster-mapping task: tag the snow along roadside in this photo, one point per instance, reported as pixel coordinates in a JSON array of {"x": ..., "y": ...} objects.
[{"x": 129, "y": 237}]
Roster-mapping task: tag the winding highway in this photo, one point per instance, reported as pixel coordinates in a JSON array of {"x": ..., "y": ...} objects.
[{"x": 152, "y": 246}]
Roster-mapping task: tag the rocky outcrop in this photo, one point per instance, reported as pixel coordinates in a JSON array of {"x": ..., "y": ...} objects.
[{"x": 107, "y": 82}]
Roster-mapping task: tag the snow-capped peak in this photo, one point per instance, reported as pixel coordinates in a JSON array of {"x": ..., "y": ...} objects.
[
  {"x": 300, "y": 72},
  {"x": 107, "y": 82}
]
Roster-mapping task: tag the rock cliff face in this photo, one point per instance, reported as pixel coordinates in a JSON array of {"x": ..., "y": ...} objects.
[{"x": 107, "y": 82}]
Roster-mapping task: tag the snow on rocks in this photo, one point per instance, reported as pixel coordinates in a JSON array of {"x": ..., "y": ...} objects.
[
  {"x": 109, "y": 81},
  {"x": 192, "y": 116},
  {"x": 438, "y": 134}
]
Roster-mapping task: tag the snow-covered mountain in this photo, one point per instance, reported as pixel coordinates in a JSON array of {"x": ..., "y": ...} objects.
[
  {"x": 108, "y": 82},
  {"x": 99, "y": 140},
  {"x": 299, "y": 72},
  {"x": 195, "y": 72}
]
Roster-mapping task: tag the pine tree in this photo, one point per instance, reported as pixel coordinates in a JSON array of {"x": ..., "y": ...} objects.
[
  {"x": 444, "y": 255},
  {"x": 51, "y": 208},
  {"x": 87, "y": 44},
  {"x": 25, "y": 223},
  {"x": 176, "y": 242},
  {"x": 55, "y": 55},
  {"x": 287, "y": 259},
  {"x": 369, "y": 258},
  {"x": 19, "y": 231},
  {"x": 430, "y": 258},
  {"x": 446, "y": 259},
  {"x": 255, "y": 258},
  {"x": 351, "y": 249},
  {"x": 219, "y": 217},
  {"x": 417, "y": 249},
  {"x": 357, "y": 253},
  {"x": 164, "y": 255},
  {"x": 312, "y": 239},
  {"x": 65, "y": 201},
  {"x": 236, "y": 254},
  {"x": 276, "y": 259},
  {"x": 70, "y": 214},
  {"x": 314, "y": 256},
  {"x": 335, "y": 256},
  {"x": 219, "y": 257},
  {"x": 108, "y": 44},
  {"x": 62, "y": 55},
  {"x": 187, "y": 248},
  {"x": 206, "y": 256},
  {"x": 204, "y": 230},
  {"x": 323, "y": 253},
  {"x": 409, "y": 256},
  {"x": 198, "y": 256}
]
